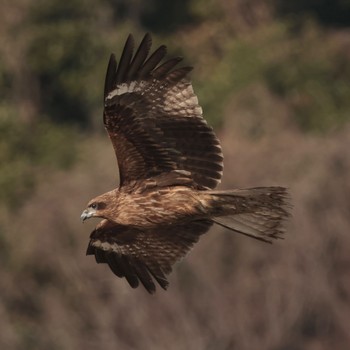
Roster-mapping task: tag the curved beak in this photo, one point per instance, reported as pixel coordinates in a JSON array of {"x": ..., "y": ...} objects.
[{"x": 87, "y": 214}]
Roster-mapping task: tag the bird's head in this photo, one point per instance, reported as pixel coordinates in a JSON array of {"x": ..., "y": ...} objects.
[{"x": 98, "y": 207}]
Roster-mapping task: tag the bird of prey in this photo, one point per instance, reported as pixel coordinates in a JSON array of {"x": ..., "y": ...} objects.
[{"x": 169, "y": 163}]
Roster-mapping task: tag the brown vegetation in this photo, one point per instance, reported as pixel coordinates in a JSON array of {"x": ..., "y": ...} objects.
[{"x": 230, "y": 292}]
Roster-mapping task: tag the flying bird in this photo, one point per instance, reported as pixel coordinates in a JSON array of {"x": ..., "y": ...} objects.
[{"x": 170, "y": 162}]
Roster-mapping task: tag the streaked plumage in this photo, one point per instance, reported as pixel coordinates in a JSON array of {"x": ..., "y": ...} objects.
[{"x": 169, "y": 163}]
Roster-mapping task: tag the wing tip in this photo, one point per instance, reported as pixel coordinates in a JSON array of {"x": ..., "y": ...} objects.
[
  {"x": 110, "y": 75},
  {"x": 125, "y": 267},
  {"x": 140, "y": 65}
]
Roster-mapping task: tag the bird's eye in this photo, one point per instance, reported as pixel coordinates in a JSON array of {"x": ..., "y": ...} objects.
[{"x": 93, "y": 205}]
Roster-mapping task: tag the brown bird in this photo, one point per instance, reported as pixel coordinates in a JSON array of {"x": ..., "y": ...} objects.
[{"x": 169, "y": 163}]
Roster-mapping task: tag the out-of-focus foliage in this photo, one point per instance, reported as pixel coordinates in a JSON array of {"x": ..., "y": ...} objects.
[
  {"x": 49, "y": 64},
  {"x": 328, "y": 12},
  {"x": 63, "y": 48},
  {"x": 28, "y": 153},
  {"x": 273, "y": 77},
  {"x": 63, "y": 55},
  {"x": 311, "y": 79}
]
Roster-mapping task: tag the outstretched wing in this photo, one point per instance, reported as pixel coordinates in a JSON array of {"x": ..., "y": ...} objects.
[
  {"x": 143, "y": 256},
  {"x": 154, "y": 121}
]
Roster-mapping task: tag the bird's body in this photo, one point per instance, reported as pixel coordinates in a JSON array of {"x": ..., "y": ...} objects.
[
  {"x": 169, "y": 162},
  {"x": 154, "y": 207}
]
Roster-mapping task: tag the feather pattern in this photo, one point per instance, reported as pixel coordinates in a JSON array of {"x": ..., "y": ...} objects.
[
  {"x": 154, "y": 121},
  {"x": 143, "y": 256}
]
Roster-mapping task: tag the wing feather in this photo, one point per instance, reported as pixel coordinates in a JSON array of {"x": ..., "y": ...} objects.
[
  {"x": 140, "y": 56},
  {"x": 125, "y": 59},
  {"x": 154, "y": 121},
  {"x": 143, "y": 256},
  {"x": 112, "y": 261},
  {"x": 166, "y": 67},
  {"x": 152, "y": 61},
  {"x": 143, "y": 275},
  {"x": 110, "y": 75}
]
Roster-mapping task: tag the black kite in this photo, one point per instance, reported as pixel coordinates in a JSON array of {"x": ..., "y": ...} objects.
[{"x": 169, "y": 162}]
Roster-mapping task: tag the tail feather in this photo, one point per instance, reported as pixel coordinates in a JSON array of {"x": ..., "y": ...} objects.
[{"x": 255, "y": 212}]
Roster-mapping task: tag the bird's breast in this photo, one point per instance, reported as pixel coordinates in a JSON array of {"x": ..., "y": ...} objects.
[{"x": 160, "y": 207}]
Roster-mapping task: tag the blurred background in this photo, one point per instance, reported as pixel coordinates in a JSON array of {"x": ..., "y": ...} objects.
[{"x": 273, "y": 78}]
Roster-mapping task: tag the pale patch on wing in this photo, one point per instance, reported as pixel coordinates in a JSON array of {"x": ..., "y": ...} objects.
[
  {"x": 104, "y": 245},
  {"x": 178, "y": 99},
  {"x": 133, "y": 86},
  {"x": 181, "y": 99},
  {"x": 108, "y": 246}
]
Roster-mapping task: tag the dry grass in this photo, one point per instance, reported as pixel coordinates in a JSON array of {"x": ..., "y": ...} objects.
[{"x": 229, "y": 293}]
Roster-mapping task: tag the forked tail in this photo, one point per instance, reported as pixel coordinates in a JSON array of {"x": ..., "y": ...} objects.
[{"x": 255, "y": 212}]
